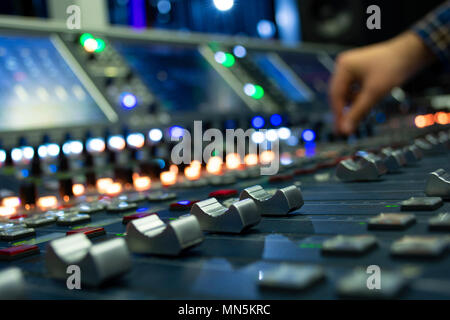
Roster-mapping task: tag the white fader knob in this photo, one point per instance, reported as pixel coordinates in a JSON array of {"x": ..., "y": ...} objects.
[
  {"x": 214, "y": 217},
  {"x": 282, "y": 202},
  {"x": 97, "y": 262},
  {"x": 12, "y": 284},
  {"x": 438, "y": 184},
  {"x": 150, "y": 235}
]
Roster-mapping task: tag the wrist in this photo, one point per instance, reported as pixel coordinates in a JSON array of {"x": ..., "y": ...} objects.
[{"x": 412, "y": 51}]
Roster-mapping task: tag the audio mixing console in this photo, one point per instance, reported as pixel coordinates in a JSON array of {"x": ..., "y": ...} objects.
[{"x": 87, "y": 181}]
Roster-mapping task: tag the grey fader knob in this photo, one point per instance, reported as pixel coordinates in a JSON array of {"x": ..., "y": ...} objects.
[
  {"x": 282, "y": 202},
  {"x": 97, "y": 263},
  {"x": 215, "y": 217},
  {"x": 438, "y": 184},
  {"x": 376, "y": 160},
  {"x": 12, "y": 284},
  {"x": 150, "y": 235},
  {"x": 393, "y": 159},
  {"x": 349, "y": 170},
  {"x": 412, "y": 154}
]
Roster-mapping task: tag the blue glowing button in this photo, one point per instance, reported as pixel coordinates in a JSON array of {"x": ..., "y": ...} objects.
[
  {"x": 182, "y": 205},
  {"x": 276, "y": 119},
  {"x": 258, "y": 122},
  {"x": 308, "y": 135},
  {"x": 176, "y": 132},
  {"x": 128, "y": 100}
]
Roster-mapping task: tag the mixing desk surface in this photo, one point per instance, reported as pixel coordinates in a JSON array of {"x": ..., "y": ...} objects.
[{"x": 318, "y": 247}]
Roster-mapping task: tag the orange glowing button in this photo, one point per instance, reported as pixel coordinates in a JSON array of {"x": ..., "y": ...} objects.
[
  {"x": 192, "y": 173},
  {"x": 251, "y": 159},
  {"x": 267, "y": 156},
  {"x": 7, "y": 211},
  {"x": 441, "y": 118},
  {"x": 47, "y": 202},
  {"x": 11, "y": 202},
  {"x": 420, "y": 121},
  {"x": 114, "y": 189},
  {"x": 103, "y": 184},
  {"x": 214, "y": 165},
  {"x": 233, "y": 161},
  {"x": 78, "y": 189},
  {"x": 141, "y": 183},
  {"x": 168, "y": 178}
]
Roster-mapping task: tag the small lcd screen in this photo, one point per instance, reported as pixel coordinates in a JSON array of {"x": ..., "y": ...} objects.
[
  {"x": 274, "y": 68},
  {"x": 181, "y": 78},
  {"x": 310, "y": 69},
  {"x": 38, "y": 89}
]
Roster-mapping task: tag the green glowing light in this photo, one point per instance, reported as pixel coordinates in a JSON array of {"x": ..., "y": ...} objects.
[
  {"x": 84, "y": 37},
  {"x": 229, "y": 60},
  {"x": 392, "y": 206},
  {"x": 310, "y": 245},
  {"x": 100, "y": 45},
  {"x": 259, "y": 92}
]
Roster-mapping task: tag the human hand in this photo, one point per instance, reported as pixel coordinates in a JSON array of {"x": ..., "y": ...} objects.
[{"x": 364, "y": 75}]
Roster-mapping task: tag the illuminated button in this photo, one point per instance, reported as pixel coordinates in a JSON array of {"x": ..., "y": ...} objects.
[
  {"x": 438, "y": 184},
  {"x": 90, "y": 207},
  {"x": 11, "y": 202},
  {"x": 161, "y": 196},
  {"x": 440, "y": 223},
  {"x": 128, "y": 100},
  {"x": 223, "y": 194},
  {"x": 389, "y": 221},
  {"x": 90, "y": 232},
  {"x": 17, "y": 252},
  {"x": 214, "y": 217},
  {"x": 355, "y": 285},
  {"x": 281, "y": 202},
  {"x": 421, "y": 204},
  {"x": 16, "y": 232},
  {"x": 100, "y": 262},
  {"x": 182, "y": 205},
  {"x": 135, "y": 216},
  {"x": 291, "y": 277},
  {"x": 349, "y": 244},
  {"x": 150, "y": 235},
  {"x": 72, "y": 219},
  {"x": 419, "y": 246},
  {"x": 118, "y": 205},
  {"x": 39, "y": 221}
]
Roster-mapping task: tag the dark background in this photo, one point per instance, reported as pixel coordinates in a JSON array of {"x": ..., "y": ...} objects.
[{"x": 243, "y": 18}]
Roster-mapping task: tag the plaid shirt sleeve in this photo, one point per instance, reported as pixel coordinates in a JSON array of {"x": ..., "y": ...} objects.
[{"x": 434, "y": 30}]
